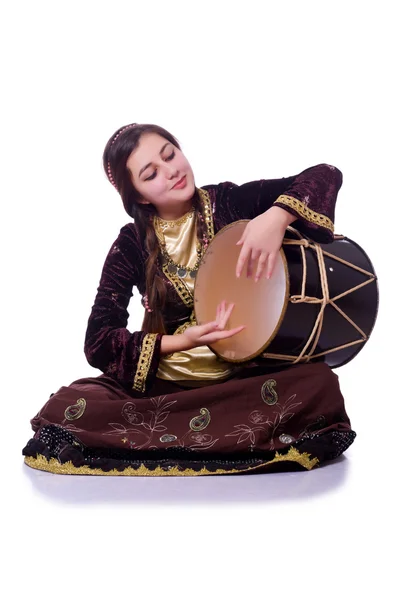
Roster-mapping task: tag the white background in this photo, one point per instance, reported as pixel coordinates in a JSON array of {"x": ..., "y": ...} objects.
[{"x": 252, "y": 90}]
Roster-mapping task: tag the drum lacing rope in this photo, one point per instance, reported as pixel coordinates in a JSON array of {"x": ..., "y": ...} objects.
[{"x": 316, "y": 331}]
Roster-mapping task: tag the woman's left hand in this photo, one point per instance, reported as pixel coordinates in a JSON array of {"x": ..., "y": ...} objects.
[{"x": 262, "y": 239}]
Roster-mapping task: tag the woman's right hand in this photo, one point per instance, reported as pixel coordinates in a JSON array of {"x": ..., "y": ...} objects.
[{"x": 202, "y": 335}]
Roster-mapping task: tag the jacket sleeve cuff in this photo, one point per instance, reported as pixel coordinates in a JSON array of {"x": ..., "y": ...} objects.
[
  {"x": 310, "y": 218},
  {"x": 148, "y": 362}
]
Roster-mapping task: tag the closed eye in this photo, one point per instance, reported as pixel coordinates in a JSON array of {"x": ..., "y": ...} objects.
[{"x": 153, "y": 175}]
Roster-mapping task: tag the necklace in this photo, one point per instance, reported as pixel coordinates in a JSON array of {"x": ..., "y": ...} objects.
[
  {"x": 181, "y": 270},
  {"x": 168, "y": 264}
]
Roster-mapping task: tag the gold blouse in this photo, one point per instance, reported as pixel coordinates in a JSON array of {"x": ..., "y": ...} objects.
[{"x": 199, "y": 365}]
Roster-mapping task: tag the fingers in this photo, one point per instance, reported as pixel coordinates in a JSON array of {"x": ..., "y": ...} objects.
[
  {"x": 271, "y": 264},
  {"x": 223, "y": 313},
  {"x": 244, "y": 254},
  {"x": 209, "y": 332},
  {"x": 242, "y": 239},
  {"x": 208, "y": 328},
  {"x": 225, "y": 318},
  {"x": 251, "y": 256},
  {"x": 264, "y": 258},
  {"x": 222, "y": 335},
  {"x": 215, "y": 336},
  {"x": 251, "y": 261},
  {"x": 261, "y": 265},
  {"x": 220, "y": 311},
  {"x": 215, "y": 330}
]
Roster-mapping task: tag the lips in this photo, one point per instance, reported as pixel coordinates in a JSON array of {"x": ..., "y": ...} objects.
[{"x": 180, "y": 183}]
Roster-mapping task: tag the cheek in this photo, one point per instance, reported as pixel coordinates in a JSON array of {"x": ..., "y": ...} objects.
[
  {"x": 158, "y": 186},
  {"x": 149, "y": 190},
  {"x": 184, "y": 165}
]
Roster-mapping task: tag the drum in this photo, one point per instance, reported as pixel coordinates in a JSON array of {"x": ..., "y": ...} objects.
[{"x": 321, "y": 302}]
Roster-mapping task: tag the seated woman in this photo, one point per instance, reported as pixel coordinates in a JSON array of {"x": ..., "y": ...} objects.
[{"x": 165, "y": 404}]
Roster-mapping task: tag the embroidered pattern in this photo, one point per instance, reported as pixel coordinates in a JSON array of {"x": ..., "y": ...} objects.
[
  {"x": 305, "y": 212},
  {"x": 150, "y": 423},
  {"x": 163, "y": 224},
  {"x": 75, "y": 411},
  {"x": 180, "y": 286},
  {"x": 130, "y": 415},
  {"x": 282, "y": 415},
  {"x": 201, "y": 421},
  {"x": 205, "y": 199},
  {"x": 142, "y": 434},
  {"x": 167, "y": 437},
  {"x": 257, "y": 417},
  {"x": 262, "y": 423},
  {"x": 268, "y": 393},
  {"x": 144, "y": 362},
  {"x": 286, "y": 439},
  {"x": 196, "y": 441}
]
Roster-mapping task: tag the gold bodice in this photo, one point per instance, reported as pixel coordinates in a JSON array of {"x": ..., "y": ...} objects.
[{"x": 199, "y": 365}]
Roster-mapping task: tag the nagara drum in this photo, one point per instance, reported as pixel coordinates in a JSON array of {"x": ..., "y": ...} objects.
[{"x": 320, "y": 303}]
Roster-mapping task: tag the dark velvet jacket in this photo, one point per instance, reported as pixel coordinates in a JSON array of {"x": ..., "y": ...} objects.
[{"x": 133, "y": 358}]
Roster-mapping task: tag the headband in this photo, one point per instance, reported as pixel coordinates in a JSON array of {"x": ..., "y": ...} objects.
[{"x": 109, "y": 171}]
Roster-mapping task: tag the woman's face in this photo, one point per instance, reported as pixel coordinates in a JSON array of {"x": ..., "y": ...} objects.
[{"x": 162, "y": 176}]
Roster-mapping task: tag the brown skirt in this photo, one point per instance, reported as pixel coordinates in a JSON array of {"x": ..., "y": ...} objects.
[{"x": 288, "y": 420}]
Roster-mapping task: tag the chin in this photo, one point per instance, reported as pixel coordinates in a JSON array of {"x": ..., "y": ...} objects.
[{"x": 188, "y": 192}]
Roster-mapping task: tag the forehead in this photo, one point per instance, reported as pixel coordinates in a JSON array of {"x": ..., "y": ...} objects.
[{"x": 147, "y": 151}]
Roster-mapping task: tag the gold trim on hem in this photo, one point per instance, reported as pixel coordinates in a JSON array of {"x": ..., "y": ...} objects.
[
  {"x": 54, "y": 466},
  {"x": 305, "y": 212},
  {"x": 144, "y": 362},
  {"x": 294, "y": 455}
]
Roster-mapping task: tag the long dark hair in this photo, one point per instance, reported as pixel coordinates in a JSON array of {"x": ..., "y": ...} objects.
[{"x": 117, "y": 151}]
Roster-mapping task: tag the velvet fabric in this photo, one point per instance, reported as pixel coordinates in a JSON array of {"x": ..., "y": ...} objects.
[
  {"x": 290, "y": 419},
  {"x": 115, "y": 351}
]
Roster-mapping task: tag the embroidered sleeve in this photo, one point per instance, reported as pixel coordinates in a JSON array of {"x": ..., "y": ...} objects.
[
  {"x": 310, "y": 196},
  {"x": 131, "y": 358},
  {"x": 145, "y": 361},
  {"x": 301, "y": 210}
]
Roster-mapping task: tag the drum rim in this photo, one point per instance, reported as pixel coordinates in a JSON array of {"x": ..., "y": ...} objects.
[{"x": 282, "y": 314}]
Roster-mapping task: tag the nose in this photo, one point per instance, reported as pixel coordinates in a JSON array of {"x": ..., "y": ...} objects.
[{"x": 171, "y": 171}]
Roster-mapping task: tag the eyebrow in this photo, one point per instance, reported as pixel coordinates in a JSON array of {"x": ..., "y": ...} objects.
[{"x": 148, "y": 165}]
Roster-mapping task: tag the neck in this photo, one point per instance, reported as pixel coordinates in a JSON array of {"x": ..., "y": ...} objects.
[{"x": 173, "y": 213}]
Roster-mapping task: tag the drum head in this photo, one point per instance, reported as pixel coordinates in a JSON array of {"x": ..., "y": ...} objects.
[{"x": 259, "y": 306}]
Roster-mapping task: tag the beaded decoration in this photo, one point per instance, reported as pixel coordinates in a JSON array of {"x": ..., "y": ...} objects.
[
  {"x": 146, "y": 303},
  {"x": 109, "y": 171},
  {"x": 174, "y": 268}
]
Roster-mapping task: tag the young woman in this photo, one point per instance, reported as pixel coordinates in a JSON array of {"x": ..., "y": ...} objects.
[{"x": 165, "y": 403}]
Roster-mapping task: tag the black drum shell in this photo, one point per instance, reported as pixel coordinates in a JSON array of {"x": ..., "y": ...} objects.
[{"x": 361, "y": 305}]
